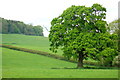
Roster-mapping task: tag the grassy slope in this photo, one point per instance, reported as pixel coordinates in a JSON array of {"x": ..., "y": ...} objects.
[
  {"x": 18, "y": 64},
  {"x": 30, "y": 42}
]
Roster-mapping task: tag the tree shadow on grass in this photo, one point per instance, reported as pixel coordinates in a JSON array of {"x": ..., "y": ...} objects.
[
  {"x": 64, "y": 68},
  {"x": 87, "y": 67},
  {"x": 9, "y": 43}
]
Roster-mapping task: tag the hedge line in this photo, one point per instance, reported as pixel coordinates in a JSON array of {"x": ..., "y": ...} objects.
[
  {"x": 48, "y": 54},
  {"x": 36, "y": 52}
]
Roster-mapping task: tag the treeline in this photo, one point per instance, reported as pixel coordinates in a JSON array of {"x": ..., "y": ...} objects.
[{"x": 18, "y": 27}]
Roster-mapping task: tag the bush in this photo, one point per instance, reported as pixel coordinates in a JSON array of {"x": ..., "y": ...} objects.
[
  {"x": 116, "y": 61},
  {"x": 91, "y": 63}
]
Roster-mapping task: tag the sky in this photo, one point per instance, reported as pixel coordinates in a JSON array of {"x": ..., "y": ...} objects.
[{"x": 41, "y": 12}]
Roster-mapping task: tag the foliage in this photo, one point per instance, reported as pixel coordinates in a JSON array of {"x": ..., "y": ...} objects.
[
  {"x": 113, "y": 26},
  {"x": 116, "y": 61},
  {"x": 81, "y": 33},
  {"x": 17, "y": 27}
]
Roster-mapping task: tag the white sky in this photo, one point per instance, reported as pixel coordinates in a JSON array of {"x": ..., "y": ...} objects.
[{"x": 41, "y": 12}]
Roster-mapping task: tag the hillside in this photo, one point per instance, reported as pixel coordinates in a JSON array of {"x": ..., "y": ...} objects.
[
  {"x": 30, "y": 42},
  {"x": 19, "y": 64},
  {"x": 39, "y": 43}
]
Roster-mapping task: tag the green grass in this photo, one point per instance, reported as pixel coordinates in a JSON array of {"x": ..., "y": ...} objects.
[
  {"x": 31, "y": 42},
  {"x": 0, "y": 62},
  {"x": 17, "y": 64}
]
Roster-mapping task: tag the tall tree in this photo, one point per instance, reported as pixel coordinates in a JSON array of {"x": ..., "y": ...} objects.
[{"x": 81, "y": 33}]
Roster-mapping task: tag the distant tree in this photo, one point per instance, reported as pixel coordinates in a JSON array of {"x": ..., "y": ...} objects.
[
  {"x": 81, "y": 33},
  {"x": 10, "y": 27},
  {"x": 30, "y": 30},
  {"x": 4, "y": 26},
  {"x": 113, "y": 26},
  {"x": 18, "y": 27},
  {"x": 38, "y": 30}
]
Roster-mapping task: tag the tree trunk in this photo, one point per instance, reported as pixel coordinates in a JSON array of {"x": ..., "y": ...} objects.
[{"x": 80, "y": 61}]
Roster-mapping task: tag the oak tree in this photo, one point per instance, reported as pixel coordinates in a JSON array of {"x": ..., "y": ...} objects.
[{"x": 81, "y": 33}]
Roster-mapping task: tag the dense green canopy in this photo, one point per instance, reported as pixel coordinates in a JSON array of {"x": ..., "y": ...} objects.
[{"x": 81, "y": 33}]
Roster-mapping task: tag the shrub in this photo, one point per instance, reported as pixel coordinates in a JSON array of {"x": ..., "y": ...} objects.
[{"x": 116, "y": 61}]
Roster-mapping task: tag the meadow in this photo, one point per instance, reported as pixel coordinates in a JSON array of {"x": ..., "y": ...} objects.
[
  {"x": 39, "y": 43},
  {"x": 30, "y": 42},
  {"x": 19, "y": 64}
]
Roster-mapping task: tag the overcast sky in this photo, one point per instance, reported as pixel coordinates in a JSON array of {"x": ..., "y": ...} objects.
[{"x": 41, "y": 12}]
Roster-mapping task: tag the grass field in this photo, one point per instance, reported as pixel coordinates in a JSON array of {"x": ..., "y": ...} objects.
[
  {"x": 30, "y": 42},
  {"x": 17, "y": 64}
]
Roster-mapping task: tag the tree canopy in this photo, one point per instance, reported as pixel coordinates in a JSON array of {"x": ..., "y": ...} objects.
[
  {"x": 81, "y": 33},
  {"x": 113, "y": 26},
  {"x": 18, "y": 27}
]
